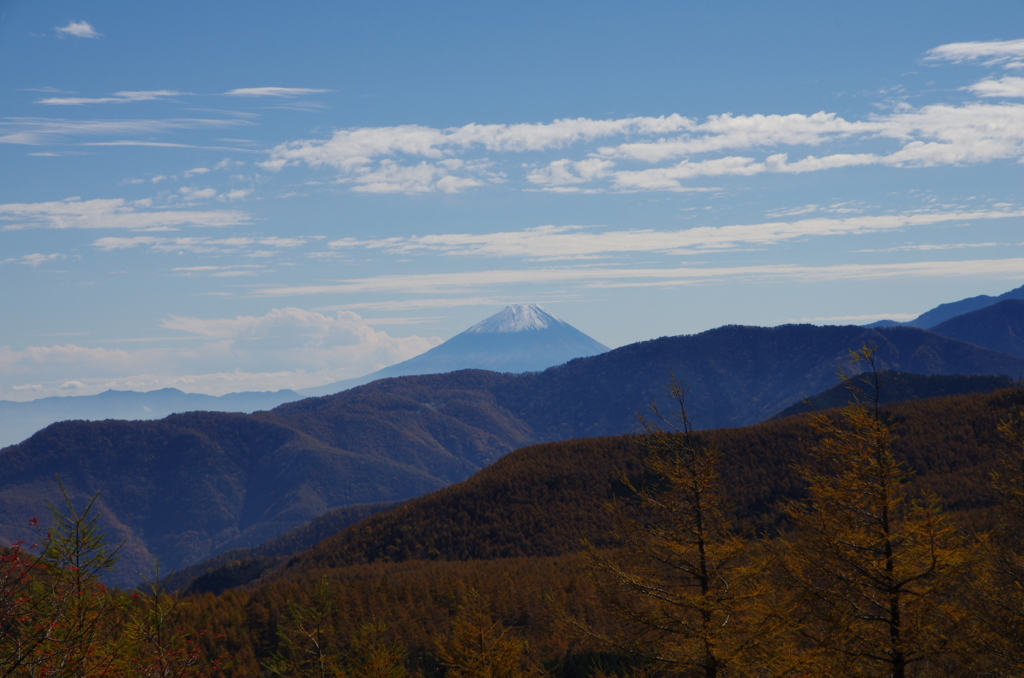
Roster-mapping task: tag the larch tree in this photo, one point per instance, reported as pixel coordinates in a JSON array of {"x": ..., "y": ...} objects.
[
  {"x": 59, "y": 619},
  {"x": 872, "y": 565},
  {"x": 995, "y": 599},
  {"x": 307, "y": 639},
  {"x": 372, "y": 654},
  {"x": 691, "y": 594},
  {"x": 478, "y": 646}
]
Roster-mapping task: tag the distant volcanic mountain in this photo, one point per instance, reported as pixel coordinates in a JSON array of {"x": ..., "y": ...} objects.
[{"x": 521, "y": 338}]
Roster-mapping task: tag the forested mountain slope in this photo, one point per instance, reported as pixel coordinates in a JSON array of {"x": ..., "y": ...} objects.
[
  {"x": 512, "y": 535},
  {"x": 546, "y": 500},
  {"x": 898, "y": 387}
]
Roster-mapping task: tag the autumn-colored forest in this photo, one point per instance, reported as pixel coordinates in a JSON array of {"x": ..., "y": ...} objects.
[{"x": 873, "y": 540}]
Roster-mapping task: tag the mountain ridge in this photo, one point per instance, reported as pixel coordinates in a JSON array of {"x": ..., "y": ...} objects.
[
  {"x": 943, "y": 312},
  {"x": 20, "y": 419},
  {"x": 193, "y": 485},
  {"x": 999, "y": 326}
]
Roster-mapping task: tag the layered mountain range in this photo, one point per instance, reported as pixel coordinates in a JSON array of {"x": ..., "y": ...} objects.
[
  {"x": 943, "y": 312},
  {"x": 520, "y": 338},
  {"x": 192, "y": 485}
]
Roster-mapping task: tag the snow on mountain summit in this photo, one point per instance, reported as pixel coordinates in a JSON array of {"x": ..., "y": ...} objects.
[{"x": 516, "y": 318}]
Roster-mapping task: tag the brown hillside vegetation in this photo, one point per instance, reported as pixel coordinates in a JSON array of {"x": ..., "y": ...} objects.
[
  {"x": 501, "y": 557},
  {"x": 514, "y": 532},
  {"x": 544, "y": 499}
]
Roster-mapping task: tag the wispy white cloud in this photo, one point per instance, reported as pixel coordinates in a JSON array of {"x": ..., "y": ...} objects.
[
  {"x": 112, "y": 213},
  {"x": 421, "y": 304},
  {"x": 350, "y": 149},
  {"x": 78, "y": 29},
  {"x": 732, "y": 132},
  {"x": 116, "y": 98},
  {"x": 39, "y": 259},
  {"x": 284, "y": 348},
  {"x": 236, "y": 194},
  {"x": 188, "y": 174},
  {"x": 391, "y": 177},
  {"x": 993, "y": 52},
  {"x": 1003, "y": 87},
  {"x": 609, "y": 277},
  {"x": 570, "y": 242},
  {"x": 416, "y": 159},
  {"x": 36, "y": 131},
  {"x": 569, "y": 172},
  {"x": 196, "y": 245},
  {"x": 193, "y": 193},
  {"x": 286, "y": 92},
  {"x": 163, "y": 144}
]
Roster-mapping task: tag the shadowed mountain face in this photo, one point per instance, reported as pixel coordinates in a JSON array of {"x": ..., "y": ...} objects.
[
  {"x": 193, "y": 485},
  {"x": 897, "y": 387},
  {"x": 521, "y": 338},
  {"x": 999, "y": 327}
]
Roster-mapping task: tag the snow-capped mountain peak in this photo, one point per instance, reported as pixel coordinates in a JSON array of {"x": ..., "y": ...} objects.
[
  {"x": 516, "y": 318},
  {"x": 521, "y": 338}
]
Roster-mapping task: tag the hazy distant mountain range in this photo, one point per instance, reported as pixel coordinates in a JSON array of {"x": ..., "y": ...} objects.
[
  {"x": 19, "y": 420},
  {"x": 192, "y": 485},
  {"x": 943, "y": 312},
  {"x": 520, "y": 338}
]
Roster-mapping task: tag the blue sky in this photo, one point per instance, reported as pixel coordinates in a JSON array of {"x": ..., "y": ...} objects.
[{"x": 250, "y": 196}]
